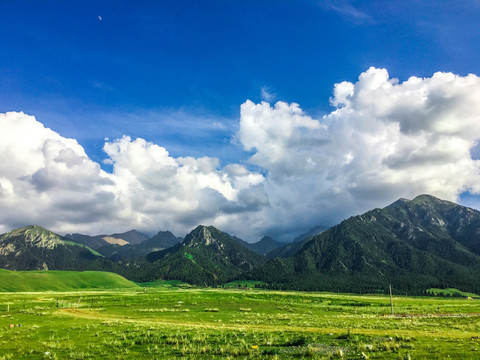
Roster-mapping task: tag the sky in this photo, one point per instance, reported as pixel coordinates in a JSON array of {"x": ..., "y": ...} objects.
[{"x": 264, "y": 117}]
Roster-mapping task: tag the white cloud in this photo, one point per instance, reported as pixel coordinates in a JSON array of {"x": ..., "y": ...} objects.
[
  {"x": 384, "y": 140},
  {"x": 45, "y": 178},
  {"x": 348, "y": 11},
  {"x": 267, "y": 94},
  {"x": 49, "y": 180}
]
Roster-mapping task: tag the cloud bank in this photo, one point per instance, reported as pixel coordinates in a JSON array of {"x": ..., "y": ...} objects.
[{"x": 383, "y": 140}]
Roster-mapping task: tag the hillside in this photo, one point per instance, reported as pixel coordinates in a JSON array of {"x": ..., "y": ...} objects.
[
  {"x": 413, "y": 245},
  {"x": 35, "y": 248},
  {"x": 207, "y": 256},
  {"x": 61, "y": 280}
]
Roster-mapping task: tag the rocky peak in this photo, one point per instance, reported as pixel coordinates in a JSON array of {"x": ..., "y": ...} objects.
[
  {"x": 201, "y": 235},
  {"x": 35, "y": 236}
]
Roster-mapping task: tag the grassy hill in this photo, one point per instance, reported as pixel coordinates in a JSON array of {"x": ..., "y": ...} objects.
[{"x": 61, "y": 280}]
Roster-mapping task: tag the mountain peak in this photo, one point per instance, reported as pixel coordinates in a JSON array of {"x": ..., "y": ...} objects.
[
  {"x": 36, "y": 236},
  {"x": 422, "y": 200},
  {"x": 429, "y": 199},
  {"x": 201, "y": 235}
]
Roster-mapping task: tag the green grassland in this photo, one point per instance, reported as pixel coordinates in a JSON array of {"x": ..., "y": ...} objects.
[
  {"x": 451, "y": 292},
  {"x": 61, "y": 280},
  {"x": 170, "y": 322}
]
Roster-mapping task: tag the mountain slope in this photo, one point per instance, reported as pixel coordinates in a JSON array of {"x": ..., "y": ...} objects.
[
  {"x": 413, "y": 245},
  {"x": 310, "y": 233},
  {"x": 207, "y": 256},
  {"x": 36, "y": 248}
]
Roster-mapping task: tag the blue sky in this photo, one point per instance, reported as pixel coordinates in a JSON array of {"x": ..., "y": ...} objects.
[
  {"x": 84, "y": 77},
  {"x": 175, "y": 73}
]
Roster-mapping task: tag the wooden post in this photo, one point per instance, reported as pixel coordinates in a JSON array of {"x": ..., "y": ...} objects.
[
  {"x": 8, "y": 308},
  {"x": 57, "y": 303},
  {"x": 391, "y": 299}
]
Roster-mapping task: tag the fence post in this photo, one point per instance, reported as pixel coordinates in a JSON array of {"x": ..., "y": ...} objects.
[{"x": 391, "y": 300}]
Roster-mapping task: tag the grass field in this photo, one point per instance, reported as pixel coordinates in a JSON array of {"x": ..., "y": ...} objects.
[
  {"x": 451, "y": 292},
  {"x": 61, "y": 280},
  {"x": 168, "y": 322}
]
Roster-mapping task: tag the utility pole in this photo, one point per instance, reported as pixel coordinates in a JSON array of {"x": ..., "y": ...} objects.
[{"x": 391, "y": 300}]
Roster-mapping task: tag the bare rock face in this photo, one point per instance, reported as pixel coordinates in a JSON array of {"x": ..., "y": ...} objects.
[{"x": 200, "y": 236}]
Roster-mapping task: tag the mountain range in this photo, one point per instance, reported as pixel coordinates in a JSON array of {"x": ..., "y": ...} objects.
[{"x": 411, "y": 244}]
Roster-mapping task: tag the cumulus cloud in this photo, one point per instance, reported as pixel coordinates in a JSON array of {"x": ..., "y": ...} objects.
[
  {"x": 177, "y": 192},
  {"x": 383, "y": 140},
  {"x": 47, "y": 179}
]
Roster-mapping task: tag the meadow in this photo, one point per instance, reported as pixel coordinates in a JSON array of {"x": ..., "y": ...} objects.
[{"x": 174, "y": 321}]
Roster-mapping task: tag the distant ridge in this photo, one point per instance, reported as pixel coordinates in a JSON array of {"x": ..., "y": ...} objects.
[
  {"x": 290, "y": 249},
  {"x": 261, "y": 247},
  {"x": 131, "y": 237},
  {"x": 128, "y": 245}
]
